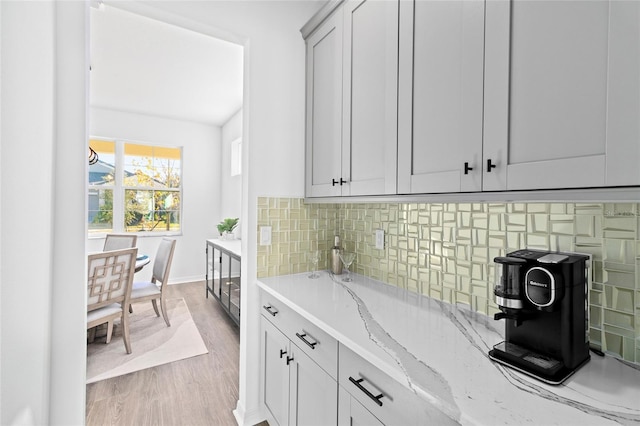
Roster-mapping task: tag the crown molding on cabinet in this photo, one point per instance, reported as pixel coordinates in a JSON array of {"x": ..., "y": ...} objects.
[{"x": 319, "y": 17}]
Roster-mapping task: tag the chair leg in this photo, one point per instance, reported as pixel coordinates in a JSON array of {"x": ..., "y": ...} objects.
[
  {"x": 91, "y": 336},
  {"x": 125, "y": 331},
  {"x": 164, "y": 311},
  {"x": 155, "y": 307},
  {"x": 130, "y": 308},
  {"x": 109, "y": 330}
]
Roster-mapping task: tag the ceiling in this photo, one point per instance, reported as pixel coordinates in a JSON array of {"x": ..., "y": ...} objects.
[{"x": 145, "y": 66}]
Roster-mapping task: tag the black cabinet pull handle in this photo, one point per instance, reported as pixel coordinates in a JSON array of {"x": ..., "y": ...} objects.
[
  {"x": 467, "y": 168},
  {"x": 490, "y": 166},
  {"x": 282, "y": 352},
  {"x": 270, "y": 310},
  {"x": 334, "y": 182},
  {"x": 376, "y": 399},
  {"x": 302, "y": 336},
  {"x": 342, "y": 181},
  {"x": 289, "y": 359}
]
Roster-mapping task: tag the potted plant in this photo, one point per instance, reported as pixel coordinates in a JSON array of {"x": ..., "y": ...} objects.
[{"x": 226, "y": 227}]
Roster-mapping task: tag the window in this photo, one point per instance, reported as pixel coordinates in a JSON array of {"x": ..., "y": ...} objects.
[
  {"x": 134, "y": 188},
  {"x": 101, "y": 184},
  {"x": 236, "y": 157}
]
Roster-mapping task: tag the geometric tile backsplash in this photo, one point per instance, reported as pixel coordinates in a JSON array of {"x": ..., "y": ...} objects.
[{"x": 446, "y": 250}]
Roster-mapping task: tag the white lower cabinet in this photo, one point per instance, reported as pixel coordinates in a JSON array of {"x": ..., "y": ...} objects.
[
  {"x": 314, "y": 394},
  {"x": 275, "y": 372},
  {"x": 295, "y": 389},
  {"x": 352, "y": 413},
  {"x": 383, "y": 397},
  {"x": 309, "y": 378}
]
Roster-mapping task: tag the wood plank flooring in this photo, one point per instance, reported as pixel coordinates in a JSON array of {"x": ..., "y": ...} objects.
[{"x": 202, "y": 390}]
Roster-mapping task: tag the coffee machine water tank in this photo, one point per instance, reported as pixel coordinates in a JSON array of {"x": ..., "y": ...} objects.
[{"x": 508, "y": 285}]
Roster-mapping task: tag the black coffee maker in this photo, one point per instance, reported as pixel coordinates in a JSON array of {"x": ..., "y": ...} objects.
[{"x": 542, "y": 296}]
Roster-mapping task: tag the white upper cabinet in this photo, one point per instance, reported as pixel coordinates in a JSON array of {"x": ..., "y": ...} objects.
[
  {"x": 440, "y": 96},
  {"x": 561, "y": 94},
  {"x": 352, "y": 78},
  {"x": 623, "y": 113},
  {"x": 369, "y": 150},
  {"x": 428, "y": 96},
  {"x": 324, "y": 113}
]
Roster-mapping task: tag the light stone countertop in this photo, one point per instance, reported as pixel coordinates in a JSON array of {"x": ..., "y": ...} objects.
[{"x": 440, "y": 351}]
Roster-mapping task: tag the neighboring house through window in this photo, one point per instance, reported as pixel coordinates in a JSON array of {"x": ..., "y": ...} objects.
[{"x": 134, "y": 187}]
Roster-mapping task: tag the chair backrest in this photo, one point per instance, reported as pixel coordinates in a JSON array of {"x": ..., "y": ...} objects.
[
  {"x": 119, "y": 241},
  {"x": 109, "y": 277},
  {"x": 162, "y": 262}
]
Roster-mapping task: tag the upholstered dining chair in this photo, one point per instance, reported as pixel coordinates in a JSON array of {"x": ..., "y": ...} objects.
[
  {"x": 154, "y": 290},
  {"x": 109, "y": 280},
  {"x": 119, "y": 241}
]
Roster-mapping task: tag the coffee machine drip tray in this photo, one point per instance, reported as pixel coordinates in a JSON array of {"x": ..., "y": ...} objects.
[{"x": 540, "y": 366}]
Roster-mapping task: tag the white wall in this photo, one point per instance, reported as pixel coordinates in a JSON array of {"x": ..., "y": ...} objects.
[
  {"x": 200, "y": 183},
  {"x": 27, "y": 123},
  {"x": 231, "y": 186},
  {"x": 44, "y": 67}
]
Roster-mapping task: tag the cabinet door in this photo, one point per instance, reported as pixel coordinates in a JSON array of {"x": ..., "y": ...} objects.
[
  {"x": 275, "y": 372},
  {"x": 623, "y": 130},
  {"x": 440, "y": 96},
  {"x": 314, "y": 393},
  {"x": 352, "y": 413},
  {"x": 553, "y": 92},
  {"x": 324, "y": 109},
  {"x": 370, "y": 97}
]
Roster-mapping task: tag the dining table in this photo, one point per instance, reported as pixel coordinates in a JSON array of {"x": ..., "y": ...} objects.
[{"x": 142, "y": 261}]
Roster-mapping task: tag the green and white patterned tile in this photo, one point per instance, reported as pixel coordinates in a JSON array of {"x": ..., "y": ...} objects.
[{"x": 445, "y": 250}]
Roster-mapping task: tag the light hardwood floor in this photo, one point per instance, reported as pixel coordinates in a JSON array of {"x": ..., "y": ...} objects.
[{"x": 202, "y": 390}]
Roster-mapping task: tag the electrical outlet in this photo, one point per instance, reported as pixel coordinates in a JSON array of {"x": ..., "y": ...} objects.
[
  {"x": 265, "y": 235},
  {"x": 380, "y": 239}
]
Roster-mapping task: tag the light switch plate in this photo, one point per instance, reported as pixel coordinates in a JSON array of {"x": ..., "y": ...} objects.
[
  {"x": 265, "y": 235},
  {"x": 380, "y": 239}
]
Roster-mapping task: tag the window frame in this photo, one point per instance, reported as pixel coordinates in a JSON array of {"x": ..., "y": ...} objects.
[{"x": 119, "y": 190}]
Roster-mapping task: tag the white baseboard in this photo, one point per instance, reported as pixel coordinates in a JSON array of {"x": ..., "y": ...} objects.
[
  {"x": 184, "y": 280},
  {"x": 248, "y": 418}
]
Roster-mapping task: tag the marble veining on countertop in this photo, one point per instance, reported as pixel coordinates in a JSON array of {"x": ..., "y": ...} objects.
[{"x": 440, "y": 351}]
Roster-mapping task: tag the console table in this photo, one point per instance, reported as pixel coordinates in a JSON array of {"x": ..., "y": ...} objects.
[{"x": 222, "y": 278}]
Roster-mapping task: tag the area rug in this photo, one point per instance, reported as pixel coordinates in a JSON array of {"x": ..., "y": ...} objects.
[{"x": 152, "y": 342}]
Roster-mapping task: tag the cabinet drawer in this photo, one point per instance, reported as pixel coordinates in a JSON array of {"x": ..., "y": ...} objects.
[
  {"x": 389, "y": 401},
  {"x": 318, "y": 345},
  {"x": 276, "y": 311}
]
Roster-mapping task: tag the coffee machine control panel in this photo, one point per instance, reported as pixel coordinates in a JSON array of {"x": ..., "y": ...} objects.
[
  {"x": 542, "y": 257},
  {"x": 553, "y": 258}
]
